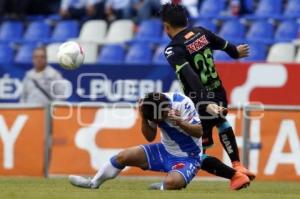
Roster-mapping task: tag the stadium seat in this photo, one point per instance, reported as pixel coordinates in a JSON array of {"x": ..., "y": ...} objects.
[
  {"x": 261, "y": 31},
  {"x": 120, "y": 31},
  {"x": 269, "y": 8},
  {"x": 211, "y": 8},
  {"x": 93, "y": 31},
  {"x": 207, "y": 24},
  {"x": 282, "y": 52},
  {"x": 149, "y": 31},
  {"x": 6, "y": 54},
  {"x": 165, "y": 38},
  {"x": 233, "y": 30},
  {"x": 258, "y": 52},
  {"x": 111, "y": 54},
  {"x": 11, "y": 31},
  {"x": 24, "y": 54},
  {"x": 90, "y": 52},
  {"x": 221, "y": 56},
  {"x": 139, "y": 53},
  {"x": 38, "y": 31},
  {"x": 287, "y": 31},
  {"x": 159, "y": 57},
  {"x": 292, "y": 8},
  {"x": 65, "y": 30},
  {"x": 52, "y": 50}
]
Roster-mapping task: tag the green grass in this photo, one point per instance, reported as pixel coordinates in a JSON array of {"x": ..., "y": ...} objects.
[{"x": 33, "y": 188}]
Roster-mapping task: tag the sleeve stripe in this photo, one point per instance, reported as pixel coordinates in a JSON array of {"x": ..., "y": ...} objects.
[
  {"x": 179, "y": 67},
  {"x": 225, "y": 46}
]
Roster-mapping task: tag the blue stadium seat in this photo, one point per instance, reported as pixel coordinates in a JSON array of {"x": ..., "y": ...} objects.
[
  {"x": 207, "y": 24},
  {"x": 211, "y": 8},
  {"x": 233, "y": 30},
  {"x": 139, "y": 53},
  {"x": 6, "y": 54},
  {"x": 221, "y": 56},
  {"x": 287, "y": 31},
  {"x": 149, "y": 31},
  {"x": 258, "y": 52},
  {"x": 261, "y": 31},
  {"x": 111, "y": 54},
  {"x": 11, "y": 31},
  {"x": 165, "y": 38},
  {"x": 65, "y": 30},
  {"x": 159, "y": 56},
  {"x": 292, "y": 8},
  {"x": 38, "y": 31},
  {"x": 24, "y": 54},
  {"x": 269, "y": 8}
]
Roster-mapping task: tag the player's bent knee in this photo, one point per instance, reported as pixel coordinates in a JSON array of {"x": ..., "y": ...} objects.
[
  {"x": 122, "y": 157},
  {"x": 174, "y": 182}
]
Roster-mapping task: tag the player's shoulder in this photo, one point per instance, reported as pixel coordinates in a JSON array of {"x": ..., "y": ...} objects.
[
  {"x": 176, "y": 97},
  {"x": 50, "y": 71}
]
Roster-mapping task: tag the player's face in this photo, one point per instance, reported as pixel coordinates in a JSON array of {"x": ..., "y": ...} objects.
[
  {"x": 39, "y": 59},
  {"x": 164, "y": 111}
]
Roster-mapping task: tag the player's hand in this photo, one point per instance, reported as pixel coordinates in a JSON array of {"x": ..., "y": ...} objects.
[
  {"x": 243, "y": 50},
  {"x": 140, "y": 103},
  {"x": 216, "y": 110},
  {"x": 174, "y": 117}
]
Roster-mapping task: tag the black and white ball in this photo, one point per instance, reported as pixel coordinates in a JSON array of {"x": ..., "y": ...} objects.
[{"x": 70, "y": 55}]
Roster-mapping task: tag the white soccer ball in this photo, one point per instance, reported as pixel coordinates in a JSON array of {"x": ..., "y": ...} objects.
[{"x": 70, "y": 55}]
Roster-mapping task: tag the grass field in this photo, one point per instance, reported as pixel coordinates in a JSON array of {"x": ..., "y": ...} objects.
[{"x": 33, "y": 188}]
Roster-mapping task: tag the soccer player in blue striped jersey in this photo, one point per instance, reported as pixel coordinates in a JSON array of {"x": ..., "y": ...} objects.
[{"x": 179, "y": 153}]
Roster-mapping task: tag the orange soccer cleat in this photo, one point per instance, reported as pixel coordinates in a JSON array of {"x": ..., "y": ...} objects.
[
  {"x": 239, "y": 167},
  {"x": 239, "y": 181}
]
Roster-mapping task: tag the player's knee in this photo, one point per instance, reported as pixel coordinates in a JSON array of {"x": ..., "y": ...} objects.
[
  {"x": 173, "y": 183},
  {"x": 122, "y": 157}
]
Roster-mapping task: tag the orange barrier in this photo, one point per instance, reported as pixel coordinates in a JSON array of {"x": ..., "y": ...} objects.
[
  {"x": 22, "y": 145},
  {"x": 85, "y": 137}
]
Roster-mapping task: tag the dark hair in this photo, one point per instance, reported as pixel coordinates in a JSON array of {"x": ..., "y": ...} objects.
[
  {"x": 174, "y": 14},
  {"x": 153, "y": 105}
]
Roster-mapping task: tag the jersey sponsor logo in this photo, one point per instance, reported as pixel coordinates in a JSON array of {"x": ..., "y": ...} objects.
[
  {"x": 169, "y": 51},
  {"x": 189, "y": 35},
  {"x": 178, "y": 166},
  {"x": 197, "y": 44}
]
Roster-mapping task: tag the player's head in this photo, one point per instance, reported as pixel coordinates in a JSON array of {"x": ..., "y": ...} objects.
[
  {"x": 39, "y": 58},
  {"x": 174, "y": 17},
  {"x": 155, "y": 107}
]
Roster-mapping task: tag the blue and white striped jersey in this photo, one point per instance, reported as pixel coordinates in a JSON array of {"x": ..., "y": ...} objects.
[{"x": 175, "y": 140}]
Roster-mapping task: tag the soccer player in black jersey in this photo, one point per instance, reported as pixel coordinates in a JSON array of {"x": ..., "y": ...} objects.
[{"x": 190, "y": 53}]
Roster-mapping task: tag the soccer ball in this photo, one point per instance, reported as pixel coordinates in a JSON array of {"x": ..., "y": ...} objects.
[{"x": 70, "y": 55}]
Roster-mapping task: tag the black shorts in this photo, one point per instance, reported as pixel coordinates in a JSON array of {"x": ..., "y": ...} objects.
[{"x": 219, "y": 97}]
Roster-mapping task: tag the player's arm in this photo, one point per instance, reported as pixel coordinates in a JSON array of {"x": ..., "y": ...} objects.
[
  {"x": 192, "y": 128},
  {"x": 149, "y": 129},
  {"x": 176, "y": 58},
  {"x": 219, "y": 43}
]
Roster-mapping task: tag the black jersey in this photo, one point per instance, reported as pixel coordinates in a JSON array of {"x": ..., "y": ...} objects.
[{"x": 190, "y": 53}]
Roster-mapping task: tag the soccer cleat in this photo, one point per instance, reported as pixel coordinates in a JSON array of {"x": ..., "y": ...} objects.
[
  {"x": 156, "y": 186},
  {"x": 239, "y": 167},
  {"x": 80, "y": 181},
  {"x": 239, "y": 181}
]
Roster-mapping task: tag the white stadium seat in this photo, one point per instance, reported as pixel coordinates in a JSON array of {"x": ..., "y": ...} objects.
[
  {"x": 282, "y": 52},
  {"x": 119, "y": 31},
  {"x": 90, "y": 52},
  {"x": 93, "y": 31},
  {"x": 52, "y": 50}
]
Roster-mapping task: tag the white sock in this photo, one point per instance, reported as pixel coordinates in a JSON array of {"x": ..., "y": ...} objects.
[{"x": 106, "y": 172}]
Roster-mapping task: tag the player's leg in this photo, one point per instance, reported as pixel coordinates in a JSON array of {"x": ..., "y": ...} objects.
[
  {"x": 130, "y": 157},
  {"x": 227, "y": 138},
  {"x": 214, "y": 166}
]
